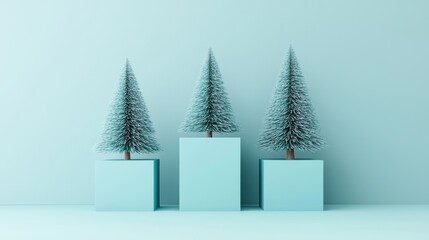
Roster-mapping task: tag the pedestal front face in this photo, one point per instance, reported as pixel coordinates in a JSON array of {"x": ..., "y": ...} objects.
[
  {"x": 127, "y": 185},
  {"x": 291, "y": 185},
  {"x": 210, "y": 174}
]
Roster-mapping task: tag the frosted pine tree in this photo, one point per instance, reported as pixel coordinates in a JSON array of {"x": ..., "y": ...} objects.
[
  {"x": 128, "y": 127},
  {"x": 210, "y": 110},
  {"x": 290, "y": 121}
]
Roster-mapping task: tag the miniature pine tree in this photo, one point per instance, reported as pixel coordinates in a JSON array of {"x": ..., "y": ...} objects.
[
  {"x": 210, "y": 111},
  {"x": 290, "y": 121},
  {"x": 128, "y": 127}
]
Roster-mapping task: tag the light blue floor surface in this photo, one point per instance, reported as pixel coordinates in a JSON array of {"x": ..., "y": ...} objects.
[{"x": 345, "y": 222}]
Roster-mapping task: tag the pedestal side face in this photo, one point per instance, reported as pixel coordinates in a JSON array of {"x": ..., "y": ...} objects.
[
  {"x": 291, "y": 184},
  {"x": 210, "y": 174},
  {"x": 127, "y": 185}
]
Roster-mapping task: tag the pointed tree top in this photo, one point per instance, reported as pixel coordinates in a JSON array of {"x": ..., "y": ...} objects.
[
  {"x": 210, "y": 55},
  {"x": 127, "y": 64},
  {"x": 291, "y": 56}
]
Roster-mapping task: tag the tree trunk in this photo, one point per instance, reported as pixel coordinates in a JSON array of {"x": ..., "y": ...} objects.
[
  {"x": 290, "y": 154},
  {"x": 127, "y": 156},
  {"x": 209, "y": 134}
]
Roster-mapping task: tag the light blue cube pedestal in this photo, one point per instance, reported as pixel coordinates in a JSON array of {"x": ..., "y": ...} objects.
[
  {"x": 127, "y": 185},
  {"x": 291, "y": 185},
  {"x": 209, "y": 174}
]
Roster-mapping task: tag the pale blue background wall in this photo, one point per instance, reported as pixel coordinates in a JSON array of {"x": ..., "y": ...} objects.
[{"x": 365, "y": 62}]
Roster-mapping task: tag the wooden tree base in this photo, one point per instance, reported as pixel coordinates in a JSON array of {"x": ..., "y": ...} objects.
[
  {"x": 127, "y": 156},
  {"x": 290, "y": 154}
]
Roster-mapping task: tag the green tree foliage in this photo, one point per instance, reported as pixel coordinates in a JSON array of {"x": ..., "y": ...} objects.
[
  {"x": 128, "y": 127},
  {"x": 290, "y": 121},
  {"x": 210, "y": 110}
]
